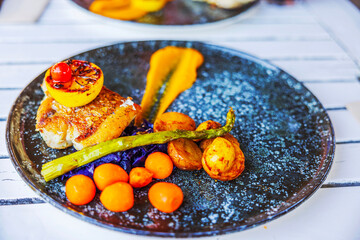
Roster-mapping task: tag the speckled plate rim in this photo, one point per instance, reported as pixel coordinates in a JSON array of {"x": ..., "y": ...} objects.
[
  {"x": 295, "y": 200},
  {"x": 250, "y": 11}
]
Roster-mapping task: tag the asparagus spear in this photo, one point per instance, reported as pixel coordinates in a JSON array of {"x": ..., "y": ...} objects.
[{"x": 62, "y": 165}]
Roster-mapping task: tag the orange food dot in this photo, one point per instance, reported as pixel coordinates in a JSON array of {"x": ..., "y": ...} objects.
[
  {"x": 140, "y": 177},
  {"x": 80, "y": 189},
  {"x": 109, "y": 173},
  {"x": 118, "y": 197},
  {"x": 166, "y": 197},
  {"x": 159, "y": 164}
]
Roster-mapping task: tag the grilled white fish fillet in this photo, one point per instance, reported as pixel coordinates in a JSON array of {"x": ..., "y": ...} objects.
[{"x": 103, "y": 119}]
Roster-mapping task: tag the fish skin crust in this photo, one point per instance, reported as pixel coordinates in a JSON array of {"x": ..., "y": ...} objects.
[{"x": 103, "y": 119}]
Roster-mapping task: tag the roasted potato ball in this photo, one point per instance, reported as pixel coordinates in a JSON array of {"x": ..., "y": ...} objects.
[
  {"x": 172, "y": 121},
  {"x": 237, "y": 168},
  {"x": 206, "y": 142},
  {"x": 219, "y": 156},
  {"x": 207, "y": 125},
  {"x": 185, "y": 154},
  {"x": 231, "y": 138},
  {"x": 223, "y": 160}
]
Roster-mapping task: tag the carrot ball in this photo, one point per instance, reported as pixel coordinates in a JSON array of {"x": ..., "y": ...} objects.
[
  {"x": 159, "y": 164},
  {"x": 166, "y": 197},
  {"x": 109, "y": 173},
  {"x": 80, "y": 189},
  {"x": 118, "y": 197},
  {"x": 140, "y": 177}
]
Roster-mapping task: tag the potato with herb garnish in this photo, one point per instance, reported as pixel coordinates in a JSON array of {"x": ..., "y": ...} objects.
[
  {"x": 223, "y": 160},
  {"x": 219, "y": 156},
  {"x": 207, "y": 125},
  {"x": 206, "y": 142},
  {"x": 210, "y": 124}
]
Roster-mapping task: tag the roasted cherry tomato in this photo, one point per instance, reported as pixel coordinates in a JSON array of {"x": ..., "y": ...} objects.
[{"x": 61, "y": 72}]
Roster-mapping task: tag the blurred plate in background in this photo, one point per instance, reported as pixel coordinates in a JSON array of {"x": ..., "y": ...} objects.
[{"x": 183, "y": 13}]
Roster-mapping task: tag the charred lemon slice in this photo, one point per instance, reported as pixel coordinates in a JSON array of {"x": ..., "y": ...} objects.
[{"x": 79, "y": 88}]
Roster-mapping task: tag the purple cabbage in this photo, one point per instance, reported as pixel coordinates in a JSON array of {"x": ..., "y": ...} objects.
[{"x": 128, "y": 159}]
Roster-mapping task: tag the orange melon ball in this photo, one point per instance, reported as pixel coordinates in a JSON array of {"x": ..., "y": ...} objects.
[
  {"x": 109, "y": 173},
  {"x": 118, "y": 197},
  {"x": 80, "y": 189},
  {"x": 166, "y": 197},
  {"x": 159, "y": 164},
  {"x": 140, "y": 177}
]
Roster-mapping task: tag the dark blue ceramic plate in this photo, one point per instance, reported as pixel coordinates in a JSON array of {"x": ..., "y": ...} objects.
[
  {"x": 284, "y": 132},
  {"x": 183, "y": 13}
]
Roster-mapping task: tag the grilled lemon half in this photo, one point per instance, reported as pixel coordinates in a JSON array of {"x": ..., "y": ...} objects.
[{"x": 85, "y": 84}]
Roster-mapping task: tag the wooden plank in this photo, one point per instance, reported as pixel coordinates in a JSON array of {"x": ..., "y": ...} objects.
[
  {"x": 335, "y": 95},
  {"x": 43, "y": 221},
  {"x": 346, "y": 165},
  {"x": 12, "y": 184},
  {"x": 342, "y": 21},
  {"x": 59, "y": 4},
  {"x": 19, "y": 75},
  {"x": 37, "y": 53},
  {"x": 110, "y": 32},
  {"x": 324, "y": 71},
  {"x": 8, "y": 98},
  {"x": 347, "y": 128},
  {"x": 290, "y": 50},
  {"x": 279, "y": 19},
  {"x": 69, "y": 13},
  {"x": 322, "y": 53},
  {"x": 3, "y": 149}
]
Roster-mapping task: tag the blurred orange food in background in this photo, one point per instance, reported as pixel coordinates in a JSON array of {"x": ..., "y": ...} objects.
[{"x": 126, "y": 9}]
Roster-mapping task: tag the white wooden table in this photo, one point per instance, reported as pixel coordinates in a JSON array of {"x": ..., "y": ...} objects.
[{"x": 317, "y": 41}]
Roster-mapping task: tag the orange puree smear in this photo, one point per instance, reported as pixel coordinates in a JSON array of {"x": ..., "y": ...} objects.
[
  {"x": 176, "y": 68},
  {"x": 126, "y": 9}
]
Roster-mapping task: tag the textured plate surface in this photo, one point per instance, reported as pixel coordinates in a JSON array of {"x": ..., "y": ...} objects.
[
  {"x": 184, "y": 12},
  {"x": 284, "y": 132}
]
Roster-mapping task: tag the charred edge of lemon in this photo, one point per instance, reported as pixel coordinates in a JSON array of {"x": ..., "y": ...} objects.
[{"x": 76, "y": 95}]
